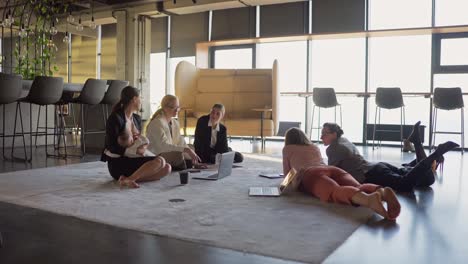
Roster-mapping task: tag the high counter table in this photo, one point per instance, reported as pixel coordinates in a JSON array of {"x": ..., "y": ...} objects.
[{"x": 67, "y": 87}]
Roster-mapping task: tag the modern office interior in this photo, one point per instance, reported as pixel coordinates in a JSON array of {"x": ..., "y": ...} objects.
[{"x": 373, "y": 67}]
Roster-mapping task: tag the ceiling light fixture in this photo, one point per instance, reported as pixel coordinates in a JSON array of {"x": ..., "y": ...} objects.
[{"x": 92, "y": 25}]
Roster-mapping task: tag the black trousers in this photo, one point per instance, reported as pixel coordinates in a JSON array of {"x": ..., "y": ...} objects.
[
  {"x": 238, "y": 157},
  {"x": 400, "y": 179}
]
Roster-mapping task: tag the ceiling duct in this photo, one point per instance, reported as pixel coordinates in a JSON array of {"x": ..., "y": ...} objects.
[{"x": 182, "y": 7}]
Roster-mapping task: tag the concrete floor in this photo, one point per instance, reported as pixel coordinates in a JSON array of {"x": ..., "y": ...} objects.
[{"x": 430, "y": 229}]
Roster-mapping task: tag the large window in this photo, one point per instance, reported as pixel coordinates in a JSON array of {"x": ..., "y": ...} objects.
[
  {"x": 385, "y": 14},
  {"x": 451, "y": 53},
  {"x": 451, "y": 12},
  {"x": 340, "y": 64},
  {"x": 292, "y": 70},
  {"x": 403, "y": 62},
  {"x": 233, "y": 58},
  {"x": 157, "y": 79},
  {"x": 454, "y": 51}
]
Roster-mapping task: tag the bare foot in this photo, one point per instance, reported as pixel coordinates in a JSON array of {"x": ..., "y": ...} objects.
[
  {"x": 125, "y": 182},
  {"x": 434, "y": 166},
  {"x": 393, "y": 205},
  {"x": 375, "y": 203}
]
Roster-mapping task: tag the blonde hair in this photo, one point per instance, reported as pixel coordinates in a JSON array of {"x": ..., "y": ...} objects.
[
  {"x": 220, "y": 107},
  {"x": 295, "y": 136},
  {"x": 166, "y": 101}
]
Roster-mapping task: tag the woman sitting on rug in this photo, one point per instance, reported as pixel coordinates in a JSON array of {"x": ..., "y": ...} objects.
[
  {"x": 332, "y": 184},
  {"x": 129, "y": 170},
  {"x": 211, "y": 136},
  {"x": 163, "y": 132}
]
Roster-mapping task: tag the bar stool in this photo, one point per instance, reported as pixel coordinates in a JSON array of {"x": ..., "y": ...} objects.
[
  {"x": 92, "y": 94},
  {"x": 44, "y": 91},
  {"x": 10, "y": 91},
  {"x": 389, "y": 98},
  {"x": 448, "y": 99},
  {"x": 112, "y": 96},
  {"x": 323, "y": 98},
  {"x": 59, "y": 115}
]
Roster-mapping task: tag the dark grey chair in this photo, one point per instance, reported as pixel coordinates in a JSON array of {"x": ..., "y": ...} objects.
[
  {"x": 10, "y": 91},
  {"x": 389, "y": 98},
  {"x": 285, "y": 126},
  {"x": 44, "y": 91},
  {"x": 448, "y": 99},
  {"x": 92, "y": 94},
  {"x": 112, "y": 96},
  {"x": 323, "y": 98}
]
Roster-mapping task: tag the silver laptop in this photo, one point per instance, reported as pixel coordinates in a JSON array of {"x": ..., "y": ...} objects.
[
  {"x": 288, "y": 184},
  {"x": 224, "y": 168}
]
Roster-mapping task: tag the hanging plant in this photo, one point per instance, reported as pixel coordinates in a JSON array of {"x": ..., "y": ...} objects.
[{"x": 35, "y": 51}]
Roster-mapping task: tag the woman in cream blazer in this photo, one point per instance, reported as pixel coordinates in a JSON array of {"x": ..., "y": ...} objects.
[{"x": 163, "y": 133}]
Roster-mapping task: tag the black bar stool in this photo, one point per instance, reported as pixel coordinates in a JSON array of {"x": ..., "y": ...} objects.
[
  {"x": 10, "y": 91},
  {"x": 323, "y": 98},
  {"x": 389, "y": 98},
  {"x": 448, "y": 99},
  {"x": 112, "y": 96},
  {"x": 44, "y": 91},
  {"x": 92, "y": 94}
]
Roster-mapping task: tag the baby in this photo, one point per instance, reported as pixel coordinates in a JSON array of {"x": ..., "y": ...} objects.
[{"x": 134, "y": 145}]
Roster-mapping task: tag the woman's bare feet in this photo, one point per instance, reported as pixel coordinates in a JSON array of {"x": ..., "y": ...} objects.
[
  {"x": 393, "y": 205},
  {"x": 375, "y": 203},
  {"x": 126, "y": 182}
]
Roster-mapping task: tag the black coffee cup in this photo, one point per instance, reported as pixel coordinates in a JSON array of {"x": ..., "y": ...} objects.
[
  {"x": 188, "y": 163},
  {"x": 184, "y": 177}
]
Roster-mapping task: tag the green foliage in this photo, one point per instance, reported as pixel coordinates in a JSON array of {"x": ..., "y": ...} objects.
[{"x": 35, "y": 54}]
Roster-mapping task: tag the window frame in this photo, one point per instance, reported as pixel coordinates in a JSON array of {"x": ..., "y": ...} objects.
[
  {"x": 213, "y": 50},
  {"x": 437, "y": 45}
]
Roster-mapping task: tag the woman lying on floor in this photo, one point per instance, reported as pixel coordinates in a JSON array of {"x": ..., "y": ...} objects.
[
  {"x": 129, "y": 170},
  {"x": 332, "y": 184},
  {"x": 344, "y": 154}
]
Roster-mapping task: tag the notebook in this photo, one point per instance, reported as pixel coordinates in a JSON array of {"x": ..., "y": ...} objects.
[
  {"x": 289, "y": 184},
  {"x": 271, "y": 175}
]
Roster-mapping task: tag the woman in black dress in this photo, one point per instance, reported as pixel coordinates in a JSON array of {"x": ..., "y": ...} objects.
[{"x": 129, "y": 170}]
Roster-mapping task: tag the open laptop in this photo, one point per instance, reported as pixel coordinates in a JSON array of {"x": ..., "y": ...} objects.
[
  {"x": 289, "y": 184},
  {"x": 224, "y": 168}
]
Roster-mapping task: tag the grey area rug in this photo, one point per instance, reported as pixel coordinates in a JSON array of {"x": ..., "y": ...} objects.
[{"x": 220, "y": 213}]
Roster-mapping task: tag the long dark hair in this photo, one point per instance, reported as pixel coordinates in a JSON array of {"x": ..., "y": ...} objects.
[{"x": 126, "y": 96}]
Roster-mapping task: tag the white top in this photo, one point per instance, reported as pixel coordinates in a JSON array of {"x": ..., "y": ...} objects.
[
  {"x": 214, "y": 133},
  {"x": 131, "y": 151},
  {"x": 161, "y": 140}
]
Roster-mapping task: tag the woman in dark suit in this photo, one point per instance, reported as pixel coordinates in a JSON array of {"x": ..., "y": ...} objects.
[{"x": 211, "y": 136}]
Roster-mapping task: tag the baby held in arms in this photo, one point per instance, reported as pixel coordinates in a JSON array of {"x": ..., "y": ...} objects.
[{"x": 136, "y": 145}]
